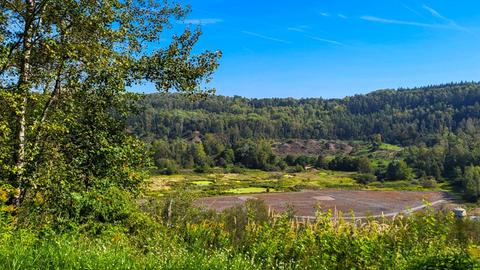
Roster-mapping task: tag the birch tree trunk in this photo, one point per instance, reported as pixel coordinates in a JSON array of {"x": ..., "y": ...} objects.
[{"x": 23, "y": 90}]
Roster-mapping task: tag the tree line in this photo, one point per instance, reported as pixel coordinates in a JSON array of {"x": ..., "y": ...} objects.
[{"x": 402, "y": 117}]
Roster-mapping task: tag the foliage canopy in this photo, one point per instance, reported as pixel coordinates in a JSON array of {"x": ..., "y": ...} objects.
[{"x": 65, "y": 67}]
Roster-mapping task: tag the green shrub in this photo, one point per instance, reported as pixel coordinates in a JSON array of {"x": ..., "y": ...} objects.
[
  {"x": 202, "y": 169},
  {"x": 295, "y": 169},
  {"x": 451, "y": 261},
  {"x": 167, "y": 166},
  {"x": 365, "y": 179},
  {"x": 428, "y": 182},
  {"x": 237, "y": 169}
]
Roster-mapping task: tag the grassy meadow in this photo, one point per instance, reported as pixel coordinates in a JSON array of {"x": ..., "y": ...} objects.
[{"x": 219, "y": 182}]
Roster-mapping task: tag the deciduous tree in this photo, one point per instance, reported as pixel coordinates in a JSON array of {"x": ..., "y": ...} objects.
[
  {"x": 65, "y": 67},
  {"x": 472, "y": 182}
]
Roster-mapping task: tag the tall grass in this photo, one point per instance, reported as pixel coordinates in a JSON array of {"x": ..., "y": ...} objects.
[
  {"x": 428, "y": 241},
  {"x": 249, "y": 238},
  {"x": 25, "y": 251}
]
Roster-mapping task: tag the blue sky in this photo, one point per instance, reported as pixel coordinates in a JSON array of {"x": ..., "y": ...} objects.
[{"x": 337, "y": 48}]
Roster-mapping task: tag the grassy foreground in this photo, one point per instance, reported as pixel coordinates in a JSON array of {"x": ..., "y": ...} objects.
[
  {"x": 76, "y": 252},
  {"x": 246, "y": 238}
]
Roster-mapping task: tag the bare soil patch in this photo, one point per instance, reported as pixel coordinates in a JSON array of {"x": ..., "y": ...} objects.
[
  {"x": 312, "y": 147},
  {"x": 360, "y": 202}
]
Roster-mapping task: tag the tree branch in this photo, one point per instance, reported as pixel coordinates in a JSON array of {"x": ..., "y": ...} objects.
[{"x": 53, "y": 96}]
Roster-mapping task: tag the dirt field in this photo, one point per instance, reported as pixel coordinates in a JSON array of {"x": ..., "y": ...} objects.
[
  {"x": 312, "y": 147},
  {"x": 362, "y": 202}
]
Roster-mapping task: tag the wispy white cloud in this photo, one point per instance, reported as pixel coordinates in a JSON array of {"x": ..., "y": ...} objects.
[
  {"x": 392, "y": 21},
  {"x": 324, "y": 14},
  {"x": 305, "y": 30},
  {"x": 412, "y": 10},
  {"x": 295, "y": 29},
  {"x": 411, "y": 23},
  {"x": 300, "y": 28},
  {"x": 203, "y": 21},
  {"x": 434, "y": 13},
  {"x": 449, "y": 21},
  {"x": 444, "y": 22},
  {"x": 342, "y": 16},
  {"x": 266, "y": 37},
  {"x": 325, "y": 40}
]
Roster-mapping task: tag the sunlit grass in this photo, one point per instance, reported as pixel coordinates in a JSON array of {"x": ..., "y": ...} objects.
[
  {"x": 247, "y": 190},
  {"x": 202, "y": 183},
  {"x": 474, "y": 251},
  {"x": 389, "y": 147},
  {"x": 256, "y": 181}
]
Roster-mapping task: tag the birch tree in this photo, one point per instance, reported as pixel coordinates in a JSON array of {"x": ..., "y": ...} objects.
[{"x": 65, "y": 67}]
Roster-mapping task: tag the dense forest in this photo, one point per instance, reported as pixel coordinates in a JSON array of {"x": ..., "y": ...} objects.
[{"x": 404, "y": 117}]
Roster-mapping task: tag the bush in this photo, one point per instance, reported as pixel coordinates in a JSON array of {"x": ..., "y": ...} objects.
[
  {"x": 295, "y": 169},
  {"x": 282, "y": 164},
  {"x": 257, "y": 211},
  {"x": 237, "y": 169},
  {"x": 428, "y": 182},
  {"x": 167, "y": 166},
  {"x": 176, "y": 210},
  {"x": 202, "y": 169},
  {"x": 398, "y": 170},
  {"x": 344, "y": 163},
  {"x": 365, "y": 178},
  {"x": 321, "y": 163},
  {"x": 96, "y": 211},
  {"x": 236, "y": 220},
  {"x": 451, "y": 261},
  {"x": 271, "y": 168}
]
